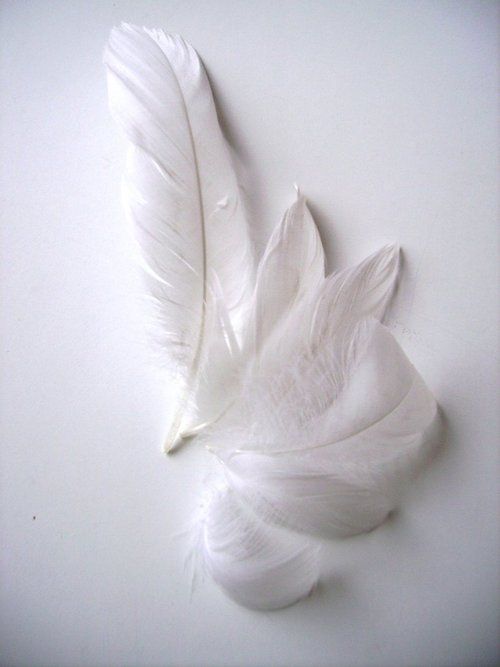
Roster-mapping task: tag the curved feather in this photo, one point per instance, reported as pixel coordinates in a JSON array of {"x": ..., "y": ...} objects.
[
  {"x": 292, "y": 269},
  {"x": 334, "y": 464},
  {"x": 182, "y": 198},
  {"x": 290, "y": 358},
  {"x": 336, "y": 304},
  {"x": 257, "y": 564},
  {"x": 356, "y": 293},
  {"x": 289, "y": 274}
]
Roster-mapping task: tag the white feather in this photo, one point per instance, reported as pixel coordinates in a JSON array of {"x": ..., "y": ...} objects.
[
  {"x": 330, "y": 417},
  {"x": 289, "y": 274},
  {"x": 290, "y": 271},
  {"x": 334, "y": 463},
  {"x": 314, "y": 412},
  {"x": 182, "y": 197},
  {"x": 329, "y": 306},
  {"x": 257, "y": 564},
  {"x": 293, "y": 356}
]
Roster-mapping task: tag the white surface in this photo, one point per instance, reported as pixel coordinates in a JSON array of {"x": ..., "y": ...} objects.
[{"x": 385, "y": 114}]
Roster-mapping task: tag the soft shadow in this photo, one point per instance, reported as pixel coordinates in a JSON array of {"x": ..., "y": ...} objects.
[
  {"x": 326, "y": 228},
  {"x": 331, "y": 586},
  {"x": 247, "y": 173},
  {"x": 436, "y": 439}
]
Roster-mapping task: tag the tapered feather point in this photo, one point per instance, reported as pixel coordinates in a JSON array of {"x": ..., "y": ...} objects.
[{"x": 172, "y": 444}]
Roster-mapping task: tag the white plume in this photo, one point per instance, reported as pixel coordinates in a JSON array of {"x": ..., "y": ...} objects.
[
  {"x": 290, "y": 272},
  {"x": 259, "y": 565},
  {"x": 315, "y": 414},
  {"x": 325, "y": 446},
  {"x": 330, "y": 418},
  {"x": 182, "y": 198}
]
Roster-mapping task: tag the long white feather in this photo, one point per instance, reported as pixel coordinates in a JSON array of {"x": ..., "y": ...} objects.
[{"x": 182, "y": 197}]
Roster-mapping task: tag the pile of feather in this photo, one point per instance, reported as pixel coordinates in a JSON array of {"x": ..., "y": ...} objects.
[{"x": 314, "y": 413}]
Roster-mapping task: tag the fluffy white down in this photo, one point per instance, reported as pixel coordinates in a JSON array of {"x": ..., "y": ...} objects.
[
  {"x": 258, "y": 565},
  {"x": 334, "y": 469},
  {"x": 328, "y": 418}
]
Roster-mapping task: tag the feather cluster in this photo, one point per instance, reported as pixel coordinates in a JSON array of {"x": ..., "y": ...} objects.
[{"x": 314, "y": 413}]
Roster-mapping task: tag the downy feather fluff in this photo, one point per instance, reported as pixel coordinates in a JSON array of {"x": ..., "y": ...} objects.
[
  {"x": 259, "y": 565},
  {"x": 181, "y": 196},
  {"x": 330, "y": 418},
  {"x": 314, "y": 413}
]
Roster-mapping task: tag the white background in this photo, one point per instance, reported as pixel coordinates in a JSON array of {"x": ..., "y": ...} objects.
[{"x": 385, "y": 114}]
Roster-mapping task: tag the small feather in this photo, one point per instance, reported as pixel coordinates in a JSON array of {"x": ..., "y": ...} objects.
[
  {"x": 332, "y": 462},
  {"x": 258, "y": 565},
  {"x": 291, "y": 270}
]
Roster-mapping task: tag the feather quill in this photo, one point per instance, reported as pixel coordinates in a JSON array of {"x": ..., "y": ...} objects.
[{"x": 182, "y": 198}]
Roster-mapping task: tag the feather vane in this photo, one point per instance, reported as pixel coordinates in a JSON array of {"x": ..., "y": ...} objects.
[{"x": 182, "y": 198}]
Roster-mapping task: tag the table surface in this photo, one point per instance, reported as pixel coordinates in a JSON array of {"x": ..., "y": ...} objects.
[{"x": 385, "y": 114}]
